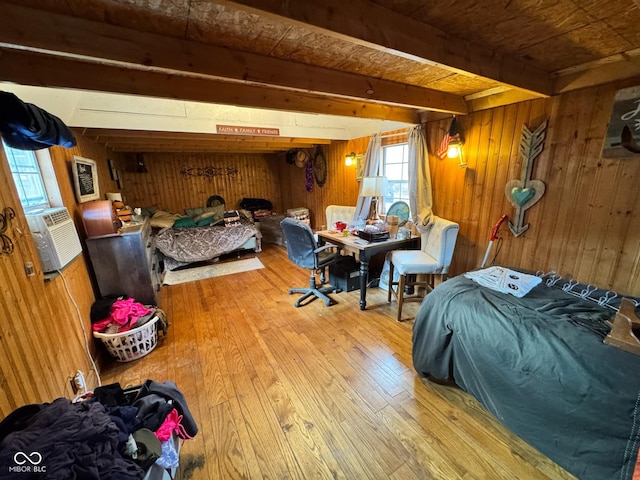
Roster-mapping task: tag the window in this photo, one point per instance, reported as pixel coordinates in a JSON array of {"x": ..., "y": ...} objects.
[
  {"x": 395, "y": 166},
  {"x": 34, "y": 178}
]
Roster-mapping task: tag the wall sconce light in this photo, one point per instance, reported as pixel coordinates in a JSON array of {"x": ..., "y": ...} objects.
[
  {"x": 350, "y": 159},
  {"x": 451, "y": 145},
  {"x": 454, "y": 150}
]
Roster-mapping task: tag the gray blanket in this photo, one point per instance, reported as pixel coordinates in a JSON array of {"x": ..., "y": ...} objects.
[
  {"x": 539, "y": 365},
  {"x": 203, "y": 243}
]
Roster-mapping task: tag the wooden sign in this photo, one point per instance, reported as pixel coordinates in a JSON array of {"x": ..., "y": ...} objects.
[
  {"x": 623, "y": 132},
  {"x": 240, "y": 130},
  {"x": 523, "y": 194}
]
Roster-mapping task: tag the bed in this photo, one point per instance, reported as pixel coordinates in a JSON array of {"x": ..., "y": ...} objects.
[
  {"x": 539, "y": 365},
  {"x": 190, "y": 243}
]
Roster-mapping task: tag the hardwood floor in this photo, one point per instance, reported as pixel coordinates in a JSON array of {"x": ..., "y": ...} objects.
[{"x": 314, "y": 392}]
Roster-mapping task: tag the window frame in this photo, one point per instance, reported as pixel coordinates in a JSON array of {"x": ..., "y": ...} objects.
[
  {"x": 48, "y": 179},
  {"x": 389, "y": 200}
]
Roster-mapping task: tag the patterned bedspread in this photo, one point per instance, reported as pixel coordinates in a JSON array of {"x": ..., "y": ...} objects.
[{"x": 203, "y": 243}]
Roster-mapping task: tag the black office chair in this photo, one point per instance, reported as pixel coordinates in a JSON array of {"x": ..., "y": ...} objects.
[{"x": 303, "y": 250}]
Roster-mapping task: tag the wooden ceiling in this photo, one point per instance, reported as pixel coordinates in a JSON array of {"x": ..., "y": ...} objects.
[{"x": 403, "y": 60}]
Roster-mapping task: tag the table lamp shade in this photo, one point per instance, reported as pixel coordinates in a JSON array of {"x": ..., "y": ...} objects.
[{"x": 374, "y": 187}]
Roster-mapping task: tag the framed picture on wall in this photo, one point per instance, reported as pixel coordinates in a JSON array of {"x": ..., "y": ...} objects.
[
  {"x": 85, "y": 179},
  {"x": 623, "y": 132}
]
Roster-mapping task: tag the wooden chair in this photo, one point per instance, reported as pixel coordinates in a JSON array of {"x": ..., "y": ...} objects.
[{"x": 434, "y": 257}]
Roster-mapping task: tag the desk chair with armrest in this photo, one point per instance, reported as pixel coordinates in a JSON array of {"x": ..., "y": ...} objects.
[
  {"x": 434, "y": 257},
  {"x": 303, "y": 250}
]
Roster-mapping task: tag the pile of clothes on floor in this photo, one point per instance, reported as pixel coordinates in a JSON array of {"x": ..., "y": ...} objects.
[{"x": 114, "y": 434}]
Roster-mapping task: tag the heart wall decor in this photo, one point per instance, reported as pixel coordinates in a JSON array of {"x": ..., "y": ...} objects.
[
  {"x": 523, "y": 194},
  {"x": 524, "y": 197}
]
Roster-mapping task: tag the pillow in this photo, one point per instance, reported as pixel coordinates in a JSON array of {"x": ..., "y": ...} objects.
[
  {"x": 162, "y": 219},
  {"x": 211, "y": 212},
  {"x": 204, "y": 222},
  {"x": 184, "y": 222},
  {"x": 193, "y": 212}
]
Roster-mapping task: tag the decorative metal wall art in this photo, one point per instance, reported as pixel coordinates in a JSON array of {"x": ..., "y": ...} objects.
[
  {"x": 5, "y": 219},
  {"x": 209, "y": 171},
  {"x": 523, "y": 194}
]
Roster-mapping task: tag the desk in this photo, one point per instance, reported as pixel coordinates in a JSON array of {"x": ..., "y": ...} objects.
[{"x": 365, "y": 252}]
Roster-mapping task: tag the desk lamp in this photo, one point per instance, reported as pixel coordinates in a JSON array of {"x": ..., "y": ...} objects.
[{"x": 374, "y": 187}]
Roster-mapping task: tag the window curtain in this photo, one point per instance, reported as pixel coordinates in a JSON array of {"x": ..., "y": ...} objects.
[
  {"x": 420, "y": 193},
  {"x": 371, "y": 169}
]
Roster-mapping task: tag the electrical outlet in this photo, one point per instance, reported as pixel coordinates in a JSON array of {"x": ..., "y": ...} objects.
[{"x": 78, "y": 383}]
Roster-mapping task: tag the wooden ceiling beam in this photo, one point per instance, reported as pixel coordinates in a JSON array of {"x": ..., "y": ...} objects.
[
  {"x": 187, "y": 148},
  {"x": 105, "y": 134},
  {"x": 489, "y": 99},
  {"x": 280, "y": 147},
  {"x": 610, "y": 69},
  {"x": 172, "y": 148},
  {"x": 214, "y": 146},
  {"x": 382, "y": 29},
  {"x": 28, "y": 68},
  {"x": 104, "y": 43}
]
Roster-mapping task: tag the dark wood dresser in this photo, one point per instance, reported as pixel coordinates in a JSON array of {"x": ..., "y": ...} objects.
[{"x": 126, "y": 263}]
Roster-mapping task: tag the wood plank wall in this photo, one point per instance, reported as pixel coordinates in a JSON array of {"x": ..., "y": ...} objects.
[
  {"x": 164, "y": 186},
  {"x": 41, "y": 338},
  {"x": 340, "y": 187},
  {"x": 584, "y": 227}
]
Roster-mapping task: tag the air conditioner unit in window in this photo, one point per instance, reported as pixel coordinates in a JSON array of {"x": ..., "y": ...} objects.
[{"x": 56, "y": 238}]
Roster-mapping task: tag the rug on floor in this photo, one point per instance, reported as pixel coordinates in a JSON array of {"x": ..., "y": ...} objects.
[{"x": 175, "y": 277}]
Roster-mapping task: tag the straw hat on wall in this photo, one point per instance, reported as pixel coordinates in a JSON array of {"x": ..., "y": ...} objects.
[{"x": 301, "y": 158}]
